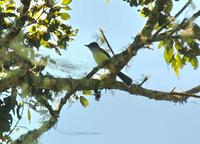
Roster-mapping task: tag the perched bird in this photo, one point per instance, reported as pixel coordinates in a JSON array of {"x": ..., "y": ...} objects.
[{"x": 100, "y": 56}]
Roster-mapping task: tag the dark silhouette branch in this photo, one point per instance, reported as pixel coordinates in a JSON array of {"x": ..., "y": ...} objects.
[{"x": 176, "y": 15}]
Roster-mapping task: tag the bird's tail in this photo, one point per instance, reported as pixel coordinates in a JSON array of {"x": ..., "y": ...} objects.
[{"x": 127, "y": 80}]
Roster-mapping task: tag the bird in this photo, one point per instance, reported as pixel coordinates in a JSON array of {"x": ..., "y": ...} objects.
[{"x": 100, "y": 56}]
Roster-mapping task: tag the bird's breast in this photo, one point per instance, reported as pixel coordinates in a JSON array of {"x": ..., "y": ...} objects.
[{"x": 100, "y": 58}]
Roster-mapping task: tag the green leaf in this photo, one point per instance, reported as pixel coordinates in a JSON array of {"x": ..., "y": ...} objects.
[
  {"x": 10, "y": 8},
  {"x": 29, "y": 116},
  {"x": 168, "y": 43},
  {"x": 194, "y": 62},
  {"x": 67, "y": 8},
  {"x": 178, "y": 45},
  {"x": 175, "y": 66},
  {"x": 185, "y": 59},
  {"x": 161, "y": 44},
  {"x": 168, "y": 55},
  {"x": 87, "y": 92},
  {"x": 64, "y": 16},
  {"x": 66, "y": 2},
  {"x": 179, "y": 61},
  {"x": 145, "y": 12},
  {"x": 84, "y": 101},
  {"x": 57, "y": 8}
]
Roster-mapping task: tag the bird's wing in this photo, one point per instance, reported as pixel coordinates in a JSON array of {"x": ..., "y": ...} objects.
[{"x": 105, "y": 52}]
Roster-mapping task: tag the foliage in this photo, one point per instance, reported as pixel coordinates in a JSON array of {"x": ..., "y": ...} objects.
[
  {"x": 178, "y": 50},
  {"x": 33, "y": 25}
]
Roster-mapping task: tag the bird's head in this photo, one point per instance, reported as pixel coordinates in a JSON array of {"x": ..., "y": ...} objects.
[{"x": 92, "y": 45}]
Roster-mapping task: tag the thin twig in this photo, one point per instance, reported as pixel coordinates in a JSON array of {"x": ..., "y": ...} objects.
[
  {"x": 183, "y": 8},
  {"x": 143, "y": 81},
  {"x": 104, "y": 37},
  {"x": 185, "y": 94}
]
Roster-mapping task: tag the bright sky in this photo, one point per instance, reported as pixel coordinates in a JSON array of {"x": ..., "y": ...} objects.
[{"x": 119, "y": 117}]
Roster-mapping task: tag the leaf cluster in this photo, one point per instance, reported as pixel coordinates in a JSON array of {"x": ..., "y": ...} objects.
[{"x": 182, "y": 49}]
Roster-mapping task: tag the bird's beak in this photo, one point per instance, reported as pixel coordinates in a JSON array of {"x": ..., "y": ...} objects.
[{"x": 86, "y": 45}]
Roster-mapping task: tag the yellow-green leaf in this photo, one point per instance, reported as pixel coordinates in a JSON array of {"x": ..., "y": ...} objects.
[
  {"x": 66, "y": 2},
  {"x": 168, "y": 55},
  {"x": 179, "y": 61},
  {"x": 21, "y": 104},
  {"x": 29, "y": 116},
  {"x": 32, "y": 29},
  {"x": 175, "y": 66},
  {"x": 84, "y": 101},
  {"x": 186, "y": 59},
  {"x": 87, "y": 92},
  {"x": 10, "y": 8},
  {"x": 194, "y": 62},
  {"x": 67, "y": 8},
  {"x": 161, "y": 44},
  {"x": 65, "y": 16},
  {"x": 168, "y": 43},
  {"x": 178, "y": 46}
]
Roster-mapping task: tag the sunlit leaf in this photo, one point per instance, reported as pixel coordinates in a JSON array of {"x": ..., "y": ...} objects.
[
  {"x": 43, "y": 42},
  {"x": 179, "y": 61},
  {"x": 87, "y": 92},
  {"x": 32, "y": 29},
  {"x": 57, "y": 8},
  {"x": 145, "y": 12},
  {"x": 10, "y": 8},
  {"x": 66, "y": 2},
  {"x": 168, "y": 55},
  {"x": 194, "y": 62},
  {"x": 67, "y": 8},
  {"x": 65, "y": 16},
  {"x": 178, "y": 46},
  {"x": 161, "y": 44},
  {"x": 84, "y": 102},
  {"x": 175, "y": 66}
]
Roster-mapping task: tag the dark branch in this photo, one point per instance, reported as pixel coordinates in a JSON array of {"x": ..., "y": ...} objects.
[{"x": 176, "y": 15}]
